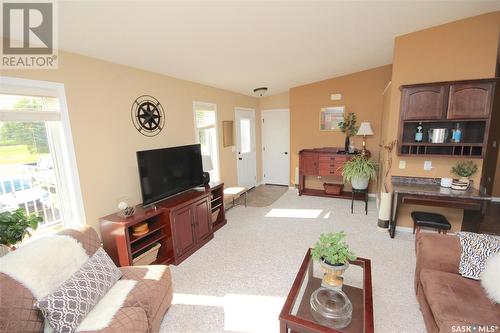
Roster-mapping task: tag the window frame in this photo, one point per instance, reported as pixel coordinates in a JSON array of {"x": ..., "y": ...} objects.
[
  {"x": 71, "y": 187},
  {"x": 209, "y": 106}
]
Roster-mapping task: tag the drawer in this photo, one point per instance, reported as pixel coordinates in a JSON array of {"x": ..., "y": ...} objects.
[
  {"x": 326, "y": 157},
  {"x": 330, "y": 169}
]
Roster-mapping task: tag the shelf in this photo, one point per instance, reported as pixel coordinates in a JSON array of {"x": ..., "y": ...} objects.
[
  {"x": 453, "y": 144},
  {"x": 134, "y": 239},
  {"x": 145, "y": 243},
  {"x": 216, "y": 207},
  {"x": 445, "y": 120},
  {"x": 342, "y": 195}
]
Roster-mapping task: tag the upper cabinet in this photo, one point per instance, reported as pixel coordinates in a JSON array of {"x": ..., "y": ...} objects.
[
  {"x": 424, "y": 102},
  {"x": 470, "y": 101}
]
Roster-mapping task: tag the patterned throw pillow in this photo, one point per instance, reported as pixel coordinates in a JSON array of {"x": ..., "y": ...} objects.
[{"x": 70, "y": 303}]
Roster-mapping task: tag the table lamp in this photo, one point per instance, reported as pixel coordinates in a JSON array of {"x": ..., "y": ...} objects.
[
  {"x": 365, "y": 129},
  {"x": 206, "y": 161}
]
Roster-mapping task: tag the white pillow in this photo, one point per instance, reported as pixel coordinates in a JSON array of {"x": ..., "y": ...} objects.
[{"x": 490, "y": 278}]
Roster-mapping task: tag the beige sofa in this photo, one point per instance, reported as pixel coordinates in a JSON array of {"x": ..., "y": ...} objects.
[
  {"x": 143, "y": 309},
  {"x": 448, "y": 301}
]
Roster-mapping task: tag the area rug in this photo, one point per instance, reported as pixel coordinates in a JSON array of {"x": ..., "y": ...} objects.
[
  {"x": 265, "y": 195},
  {"x": 238, "y": 282}
]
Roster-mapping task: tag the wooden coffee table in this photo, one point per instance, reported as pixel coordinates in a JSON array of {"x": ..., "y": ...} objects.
[{"x": 296, "y": 313}]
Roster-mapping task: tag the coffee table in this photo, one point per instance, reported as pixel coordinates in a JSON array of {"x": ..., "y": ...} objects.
[{"x": 296, "y": 313}]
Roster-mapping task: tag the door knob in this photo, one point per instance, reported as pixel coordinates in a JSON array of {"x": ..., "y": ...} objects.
[
  {"x": 240, "y": 158},
  {"x": 286, "y": 153}
]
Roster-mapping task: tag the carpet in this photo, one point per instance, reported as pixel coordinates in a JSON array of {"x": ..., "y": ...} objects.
[
  {"x": 265, "y": 195},
  {"x": 238, "y": 282}
]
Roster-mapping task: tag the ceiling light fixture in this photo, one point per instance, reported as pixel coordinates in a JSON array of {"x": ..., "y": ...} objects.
[{"x": 260, "y": 91}]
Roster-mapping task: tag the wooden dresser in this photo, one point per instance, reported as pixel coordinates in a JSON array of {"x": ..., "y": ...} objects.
[{"x": 322, "y": 162}]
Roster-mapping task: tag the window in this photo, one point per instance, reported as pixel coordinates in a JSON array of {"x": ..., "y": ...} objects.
[
  {"x": 206, "y": 134},
  {"x": 37, "y": 163},
  {"x": 245, "y": 135}
]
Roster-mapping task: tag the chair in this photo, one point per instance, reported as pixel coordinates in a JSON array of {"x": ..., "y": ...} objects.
[{"x": 430, "y": 220}]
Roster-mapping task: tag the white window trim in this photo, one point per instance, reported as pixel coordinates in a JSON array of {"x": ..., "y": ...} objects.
[
  {"x": 197, "y": 104},
  {"x": 46, "y": 88}
]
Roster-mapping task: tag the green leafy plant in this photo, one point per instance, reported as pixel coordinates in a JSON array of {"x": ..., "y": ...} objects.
[
  {"x": 359, "y": 167},
  {"x": 464, "y": 169},
  {"x": 332, "y": 249},
  {"x": 14, "y": 226},
  {"x": 348, "y": 125}
]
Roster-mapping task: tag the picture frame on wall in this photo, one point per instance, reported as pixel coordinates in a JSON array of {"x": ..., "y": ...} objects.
[{"x": 329, "y": 118}]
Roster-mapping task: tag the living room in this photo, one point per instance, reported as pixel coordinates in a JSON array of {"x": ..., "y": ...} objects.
[{"x": 268, "y": 91}]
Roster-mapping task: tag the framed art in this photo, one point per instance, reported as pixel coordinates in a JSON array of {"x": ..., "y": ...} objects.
[{"x": 330, "y": 117}]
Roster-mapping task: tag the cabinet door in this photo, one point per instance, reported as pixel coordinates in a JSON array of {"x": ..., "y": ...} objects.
[
  {"x": 308, "y": 164},
  {"x": 183, "y": 235},
  {"x": 203, "y": 225},
  {"x": 470, "y": 101},
  {"x": 420, "y": 103}
]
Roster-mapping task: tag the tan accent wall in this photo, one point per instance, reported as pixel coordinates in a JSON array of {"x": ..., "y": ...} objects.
[
  {"x": 278, "y": 101},
  {"x": 465, "y": 49},
  {"x": 100, "y": 95},
  {"x": 361, "y": 93}
]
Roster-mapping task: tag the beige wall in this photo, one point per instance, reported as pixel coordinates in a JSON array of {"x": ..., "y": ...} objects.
[
  {"x": 278, "y": 101},
  {"x": 465, "y": 49},
  {"x": 100, "y": 95},
  {"x": 361, "y": 94}
]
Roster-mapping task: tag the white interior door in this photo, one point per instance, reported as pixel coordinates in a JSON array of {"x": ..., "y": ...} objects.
[
  {"x": 276, "y": 146},
  {"x": 245, "y": 147}
]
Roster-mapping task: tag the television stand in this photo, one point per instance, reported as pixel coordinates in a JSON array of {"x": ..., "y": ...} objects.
[{"x": 181, "y": 225}]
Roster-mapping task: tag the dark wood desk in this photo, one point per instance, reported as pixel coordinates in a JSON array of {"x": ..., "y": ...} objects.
[{"x": 428, "y": 192}]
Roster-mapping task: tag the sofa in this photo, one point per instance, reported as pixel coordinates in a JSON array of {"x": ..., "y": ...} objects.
[
  {"x": 142, "y": 310},
  {"x": 448, "y": 301}
]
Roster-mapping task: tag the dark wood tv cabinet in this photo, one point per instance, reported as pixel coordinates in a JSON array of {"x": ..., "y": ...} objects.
[{"x": 181, "y": 225}]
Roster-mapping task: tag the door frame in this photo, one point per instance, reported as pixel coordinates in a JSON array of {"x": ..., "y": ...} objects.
[
  {"x": 262, "y": 113},
  {"x": 236, "y": 109},
  {"x": 196, "y": 135}
]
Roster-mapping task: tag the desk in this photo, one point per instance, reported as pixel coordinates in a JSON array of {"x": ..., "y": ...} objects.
[{"x": 428, "y": 192}]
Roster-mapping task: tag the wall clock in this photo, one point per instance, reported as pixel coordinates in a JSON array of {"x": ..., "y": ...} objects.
[{"x": 147, "y": 115}]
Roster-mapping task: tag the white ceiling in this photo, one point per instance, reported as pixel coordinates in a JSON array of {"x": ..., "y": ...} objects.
[{"x": 239, "y": 46}]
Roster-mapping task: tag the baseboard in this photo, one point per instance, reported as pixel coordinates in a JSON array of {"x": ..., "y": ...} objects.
[
  {"x": 495, "y": 199},
  {"x": 404, "y": 229}
]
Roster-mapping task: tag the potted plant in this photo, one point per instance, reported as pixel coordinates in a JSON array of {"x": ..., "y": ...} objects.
[
  {"x": 464, "y": 170},
  {"x": 14, "y": 226},
  {"x": 333, "y": 254},
  {"x": 359, "y": 170},
  {"x": 348, "y": 126}
]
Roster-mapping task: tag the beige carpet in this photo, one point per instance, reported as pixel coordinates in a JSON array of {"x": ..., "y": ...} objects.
[
  {"x": 239, "y": 280},
  {"x": 265, "y": 195}
]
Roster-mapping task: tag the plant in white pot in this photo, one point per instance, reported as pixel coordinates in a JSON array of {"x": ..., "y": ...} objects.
[
  {"x": 359, "y": 170},
  {"x": 333, "y": 254},
  {"x": 464, "y": 170}
]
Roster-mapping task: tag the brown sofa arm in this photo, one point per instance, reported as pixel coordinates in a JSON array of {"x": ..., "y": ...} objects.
[
  {"x": 436, "y": 251},
  {"x": 85, "y": 235}
]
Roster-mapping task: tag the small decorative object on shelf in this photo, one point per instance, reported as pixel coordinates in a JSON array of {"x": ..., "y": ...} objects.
[
  {"x": 446, "y": 182},
  {"x": 125, "y": 209},
  {"x": 333, "y": 254},
  {"x": 348, "y": 126},
  {"x": 140, "y": 229},
  {"x": 456, "y": 134},
  {"x": 331, "y": 308},
  {"x": 464, "y": 170},
  {"x": 419, "y": 134}
]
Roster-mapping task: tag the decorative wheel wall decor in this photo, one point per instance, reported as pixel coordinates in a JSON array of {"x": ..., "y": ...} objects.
[{"x": 147, "y": 115}]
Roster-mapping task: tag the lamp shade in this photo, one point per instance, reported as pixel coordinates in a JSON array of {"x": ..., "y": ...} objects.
[
  {"x": 206, "y": 160},
  {"x": 365, "y": 129}
]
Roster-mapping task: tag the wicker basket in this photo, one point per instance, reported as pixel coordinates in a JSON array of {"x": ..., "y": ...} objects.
[
  {"x": 335, "y": 189},
  {"x": 215, "y": 215},
  {"x": 147, "y": 257}
]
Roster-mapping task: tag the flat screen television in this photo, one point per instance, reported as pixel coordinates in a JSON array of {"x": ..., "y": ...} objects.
[{"x": 169, "y": 171}]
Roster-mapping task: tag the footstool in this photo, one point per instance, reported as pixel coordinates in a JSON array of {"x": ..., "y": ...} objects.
[
  {"x": 430, "y": 220},
  {"x": 233, "y": 193}
]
